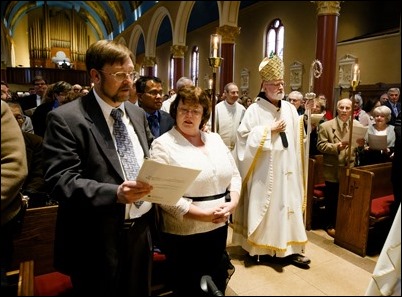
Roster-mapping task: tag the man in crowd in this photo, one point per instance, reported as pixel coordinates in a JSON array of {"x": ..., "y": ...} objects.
[
  {"x": 228, "y": 115},
  {"x": 182, "y": 81},
  {"x": 94, "y": 147},
  {"x": 149, "y": 92}
]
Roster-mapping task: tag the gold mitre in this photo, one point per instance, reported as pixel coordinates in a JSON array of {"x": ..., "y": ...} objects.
[{"x": 271, "y": 68}]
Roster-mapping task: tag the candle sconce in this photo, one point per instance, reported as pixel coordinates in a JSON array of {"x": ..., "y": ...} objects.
[{"x": 215, "y": 62}]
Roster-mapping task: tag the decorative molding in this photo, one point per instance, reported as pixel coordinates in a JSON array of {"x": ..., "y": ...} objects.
[
  {"x": 229, "y": 33},
  {"x": 328, "y": 7},
  {"x": 178, "y": 51},
  {"x": 149, "y": 61},
  {"x": 346, "y": 70},
  {"x": 244, "y": 80},
  {"x": 296, "y": 75}
]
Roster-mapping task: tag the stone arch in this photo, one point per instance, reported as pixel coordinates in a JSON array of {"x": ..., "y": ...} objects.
[
  {"x": 157, "y": 18},
  {"x": 229, "y": 13},
  {"x": 180, "y": 29},
  {"x": 134, "y": 39}
]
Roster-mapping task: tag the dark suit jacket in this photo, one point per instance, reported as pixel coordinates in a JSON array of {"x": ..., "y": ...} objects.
[
  {"x": 39, "y": 118},
  {"x": 35, "y": 181},
  {"x": 165, "y": 122},
  {"x": 28, "y": 102},
  {"x": 393, "y": 115},
  {"x": 83, "y": 172}
]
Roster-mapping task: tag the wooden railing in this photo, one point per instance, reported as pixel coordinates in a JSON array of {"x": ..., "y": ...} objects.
[{"x": 24, "y": 75}]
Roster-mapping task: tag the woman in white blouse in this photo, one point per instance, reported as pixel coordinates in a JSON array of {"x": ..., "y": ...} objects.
[
  {"x": 372, "y": 155},
  {"x": 194, "y": 231}
]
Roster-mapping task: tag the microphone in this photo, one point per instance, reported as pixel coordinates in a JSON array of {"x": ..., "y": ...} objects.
[
  {"x": 284, "y": 139},
  {"x": 208, "y": 285}
]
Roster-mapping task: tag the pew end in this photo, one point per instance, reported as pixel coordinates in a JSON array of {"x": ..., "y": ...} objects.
[{"x": 365, "y": 194}]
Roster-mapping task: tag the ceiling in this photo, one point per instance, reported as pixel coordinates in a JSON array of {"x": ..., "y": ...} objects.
[
  {"x": 106, "y": 18},
  {"x": 109, "y": 18}
]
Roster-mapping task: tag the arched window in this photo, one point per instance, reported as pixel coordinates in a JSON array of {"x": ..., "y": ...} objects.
[
  {"x": 195, "y": 65},
  {"x": 275, "y": 38},
  {"x": 171, "y": 73},
  {"x": 156, "y": 69}
]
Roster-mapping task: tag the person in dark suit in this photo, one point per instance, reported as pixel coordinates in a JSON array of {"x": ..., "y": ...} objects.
[
  {"x": 394, "y": 104},
  {"x": 103, "y": 241},
  {"x": 54, "y": 96},
  {"x": 150, "y": 98},
  {"x": 30, "y": 102}
]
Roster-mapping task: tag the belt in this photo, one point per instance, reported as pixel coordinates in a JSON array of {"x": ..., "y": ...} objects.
[{"x": 207, "y": 198}]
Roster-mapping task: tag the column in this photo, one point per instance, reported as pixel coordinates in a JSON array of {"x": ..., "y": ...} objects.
[
  {"x": 229, "y": 34},
  {"x": 149, "y": 65},
  {"x": 178, "y": 57},
  {"x": 326, "y": 47}
]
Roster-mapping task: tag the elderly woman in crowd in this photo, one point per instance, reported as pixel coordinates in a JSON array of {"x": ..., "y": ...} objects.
[{"x": 373, "y": 154}]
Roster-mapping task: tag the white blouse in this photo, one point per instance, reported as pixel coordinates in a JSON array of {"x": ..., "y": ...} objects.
[{"x": 219, "y": 173}]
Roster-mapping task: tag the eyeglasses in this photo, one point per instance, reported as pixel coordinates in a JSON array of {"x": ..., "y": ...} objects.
[
  {"x": 194, "y": 112},
  {"x": 277, "y": 85},
  {"x": 40, "y": 84},
  {"x": 120, "y": 76},
  {"x": 154, "y": 93}
]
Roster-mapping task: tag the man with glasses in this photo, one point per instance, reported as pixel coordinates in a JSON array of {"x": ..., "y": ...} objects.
[
  {"x": 103, "y": 239},
  {"x": 30, "y": 102},
  {"x": 149, "y": 93},
  {"x": 296, "y": 98},
  {"x": 270, "y": 150}
]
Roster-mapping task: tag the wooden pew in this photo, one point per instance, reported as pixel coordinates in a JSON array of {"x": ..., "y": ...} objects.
[
  {"x": 315, "y": 191},
  {"x": 33, "y": 254},
  {"x": 33, "y": 257},
  {"x": 359, "y": 189}
]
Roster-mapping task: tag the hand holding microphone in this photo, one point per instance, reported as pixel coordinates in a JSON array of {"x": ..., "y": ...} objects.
[{"x": 281, "y": 127}]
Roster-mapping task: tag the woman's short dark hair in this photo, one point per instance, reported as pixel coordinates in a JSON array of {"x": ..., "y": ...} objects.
[{"x": 192, "y": 96}]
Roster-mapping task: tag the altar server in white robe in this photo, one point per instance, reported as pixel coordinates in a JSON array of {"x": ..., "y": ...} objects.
[{"x": 272, "y": 154}]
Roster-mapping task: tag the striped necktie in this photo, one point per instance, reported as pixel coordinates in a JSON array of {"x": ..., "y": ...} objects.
[{"x": 125, "y": 148}]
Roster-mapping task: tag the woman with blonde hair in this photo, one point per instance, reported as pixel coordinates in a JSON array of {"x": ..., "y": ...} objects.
[{"x": 371, "y": 155}]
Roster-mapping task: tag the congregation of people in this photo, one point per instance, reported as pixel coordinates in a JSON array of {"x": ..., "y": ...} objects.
[{"x": 82, "y": 149}]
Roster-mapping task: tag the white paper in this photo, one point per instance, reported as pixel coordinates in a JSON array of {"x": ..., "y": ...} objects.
[
  {"x": 358, "y": 132},
  {"x": 377, "y": 142},
  {"x": 316, "y": 118},
  {"x": 169, "y": 182}
]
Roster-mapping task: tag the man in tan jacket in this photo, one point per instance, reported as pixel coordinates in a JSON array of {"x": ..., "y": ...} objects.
[
  {"x": 331, "y": 143},
  {"x": 13, "y": 173}
]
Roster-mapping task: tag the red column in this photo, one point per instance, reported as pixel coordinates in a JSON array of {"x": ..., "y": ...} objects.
[
  {"x": 178, "y": 70},
  {"x": 226, "y": 66},
  {"x": 178, "y": 52},
  {"x": 229, "y": 34},
  {"x": 327, "y": 31}
]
